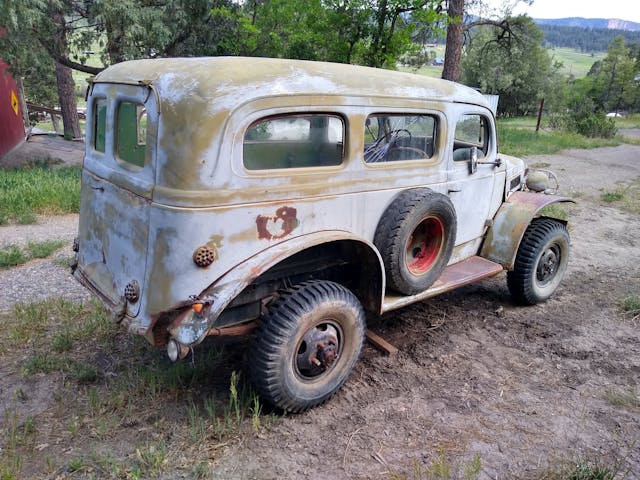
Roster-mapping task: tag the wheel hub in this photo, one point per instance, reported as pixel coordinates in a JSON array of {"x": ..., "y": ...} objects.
[
  {"x": 548, "y": 265},
  {"x": 318, "y": 350}
]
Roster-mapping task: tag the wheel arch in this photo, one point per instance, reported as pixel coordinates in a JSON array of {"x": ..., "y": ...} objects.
[
  {"x": 511, "y": 221},
  {"x": 367, "y": 284}
]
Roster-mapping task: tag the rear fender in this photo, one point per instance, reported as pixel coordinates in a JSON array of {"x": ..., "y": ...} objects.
[
  {"x": 190, "y": 329},
  {"x": 510, "y": 222}
]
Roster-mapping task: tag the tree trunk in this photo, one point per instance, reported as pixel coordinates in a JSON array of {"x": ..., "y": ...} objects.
[
  {"x": 68, "y": 105},
  {"x": 453, "y": 50}
]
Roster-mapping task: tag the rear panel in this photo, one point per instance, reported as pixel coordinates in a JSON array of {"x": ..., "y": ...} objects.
[{"x": 117, "y": 183}]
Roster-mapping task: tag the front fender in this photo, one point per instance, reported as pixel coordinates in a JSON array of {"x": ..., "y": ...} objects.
[
  {"x": 509, "y": 224},
  {"x": 192, "y": 329}
]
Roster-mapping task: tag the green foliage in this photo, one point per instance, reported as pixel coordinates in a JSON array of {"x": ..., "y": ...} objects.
[
  {"x": 514, "y": 66},
  {"x": 40, "y": 190},
  {"x": 631, "y": 305},
  {"x": 610, "y": 197},
  {"x": 584, "y": 120},
  {"x": 13, "y": 255}
]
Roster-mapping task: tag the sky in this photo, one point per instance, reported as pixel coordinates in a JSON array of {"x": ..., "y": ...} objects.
[{"x": 621, "y": 9}]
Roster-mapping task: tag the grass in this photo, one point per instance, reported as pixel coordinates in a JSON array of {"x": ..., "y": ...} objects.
[
  {"x": 41, "y": 190},
  {"x": 631, "y": 306},
  {"x": 626, "y": 196},
  {"x": 574, "y": 62},
  {"x": 521, "y": 141},
  {"x": 116, "y": 386},
  {"x": 629, "y": 399},
  {"x": 13, "y": 255},
  {"x": 441, "y": 468}
]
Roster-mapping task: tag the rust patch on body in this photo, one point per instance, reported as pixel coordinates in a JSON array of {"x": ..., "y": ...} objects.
[{"x": 279, "y": 226}]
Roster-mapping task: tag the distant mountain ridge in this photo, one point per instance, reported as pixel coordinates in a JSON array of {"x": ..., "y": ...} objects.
[{"x": 603, "y": 23}]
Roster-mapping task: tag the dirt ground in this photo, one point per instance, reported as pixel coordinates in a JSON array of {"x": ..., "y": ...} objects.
[{"x": 521, "y": 388}]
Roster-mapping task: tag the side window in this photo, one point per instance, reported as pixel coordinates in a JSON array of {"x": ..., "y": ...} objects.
[
  {"x": 471, "y": 131},
  {"x": 294, "y": 141},
  {"x": 99, "y": 123},
  {"x": 390, "y": 137},
  {"x": 131, "y": 131}
]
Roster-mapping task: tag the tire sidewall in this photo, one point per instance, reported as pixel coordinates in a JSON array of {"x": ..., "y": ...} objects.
[
  {"x": 315, "y": 391},
  {"x": 543, "y": 292}
]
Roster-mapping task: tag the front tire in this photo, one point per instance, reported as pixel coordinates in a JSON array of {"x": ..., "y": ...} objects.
[
  {"x": 541, "y": 262},
  {"x": 307, "y": 345}
]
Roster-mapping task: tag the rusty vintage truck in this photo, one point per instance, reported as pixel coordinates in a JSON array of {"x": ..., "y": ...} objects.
[{"x": 290, "y": 199}]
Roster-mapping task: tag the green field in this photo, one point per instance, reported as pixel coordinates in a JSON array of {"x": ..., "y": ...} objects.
[{"x": 574, "y": 62}]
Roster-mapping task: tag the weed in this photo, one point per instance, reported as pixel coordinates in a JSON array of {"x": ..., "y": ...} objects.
[
  {"x": 610, "y": 197},
  {"x": 629, "y": 399},
  {"x": 15, "y": 434},
  {"x": 62, "y": 341},
  {"x": 580, "y": 471},
  {"x": 64, "y": 262},
  {"x": 256, "y": 409},
  {"x": 631, "y": 305},
  {"x": 76, "y": 465},
  {"x": 94, "y": 403},
  {"x": 234, "y": 401},
  {"x": 201, "y": 471},
  {"x": 151, "y": 458},
  {"x": 24, "y": 193},
  {"x": 540, "y": 165},
  {"x": 441, "y": 468},
  {"x": 197, "y": 426}
]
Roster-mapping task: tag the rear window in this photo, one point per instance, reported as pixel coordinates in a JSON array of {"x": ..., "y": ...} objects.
[
  {"x": 99, "y": 123},
  {"x": 392, "y": 137},
  {"x": 294, "y": 141},
  {"x": 131, "y": 133}
]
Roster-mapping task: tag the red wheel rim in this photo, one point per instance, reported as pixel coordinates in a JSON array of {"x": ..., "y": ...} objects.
[{"x": 424, "y": 245}]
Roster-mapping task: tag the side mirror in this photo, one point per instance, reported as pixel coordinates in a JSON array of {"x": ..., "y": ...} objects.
[{"x": 473, "y": 160}]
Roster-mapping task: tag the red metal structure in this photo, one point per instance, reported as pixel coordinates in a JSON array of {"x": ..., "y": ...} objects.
[{"x": 11, "y": 126}]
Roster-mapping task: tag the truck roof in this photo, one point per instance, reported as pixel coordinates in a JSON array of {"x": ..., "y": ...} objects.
[{"x": 232, "y": 81}]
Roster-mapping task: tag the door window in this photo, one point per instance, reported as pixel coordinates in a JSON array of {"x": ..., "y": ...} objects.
[
  {"x": 471, "y": 131},
  {"x": 391, "y": 137}
]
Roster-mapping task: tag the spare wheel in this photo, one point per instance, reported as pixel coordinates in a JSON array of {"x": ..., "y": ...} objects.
[{"x": 415, "y": 237}]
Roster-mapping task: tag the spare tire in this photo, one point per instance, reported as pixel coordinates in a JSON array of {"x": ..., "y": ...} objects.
[{"x": 415, "y": 237}]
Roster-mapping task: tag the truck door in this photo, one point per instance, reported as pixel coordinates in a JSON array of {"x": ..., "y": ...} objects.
[{"x": 471, "y": 173}]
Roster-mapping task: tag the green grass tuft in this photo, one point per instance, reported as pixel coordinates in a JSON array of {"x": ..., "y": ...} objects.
[
  {"x": 611, "y": 197},
  {"x": 25, "y": 193},
  {"x": 13, "y": 255}
]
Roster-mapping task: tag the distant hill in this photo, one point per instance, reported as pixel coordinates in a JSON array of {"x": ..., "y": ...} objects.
[
  {"x": 586, "y": 35},
  {"x": 600, "y": 23}
]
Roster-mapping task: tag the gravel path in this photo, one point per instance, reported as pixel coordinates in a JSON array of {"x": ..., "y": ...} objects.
[{"x": 45, "y": 278}]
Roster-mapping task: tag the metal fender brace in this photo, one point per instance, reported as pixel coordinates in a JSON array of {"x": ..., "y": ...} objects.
[{"x": 510, "y": 222}]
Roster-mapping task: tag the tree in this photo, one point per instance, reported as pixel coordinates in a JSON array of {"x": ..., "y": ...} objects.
[
  {"x": 457, "y": 27},
  {"x": 515, "y": 66},
  {"x": 613, "y": 81},
  {"x": 33, "y": 24}
]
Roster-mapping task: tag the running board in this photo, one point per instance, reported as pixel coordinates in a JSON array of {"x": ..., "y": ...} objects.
[{"x": 462, "y": 273}]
